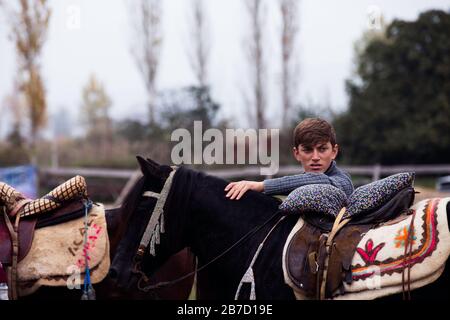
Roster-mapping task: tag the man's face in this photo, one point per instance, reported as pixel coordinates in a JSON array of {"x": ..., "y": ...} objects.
[{"x": 316, "y": 158}]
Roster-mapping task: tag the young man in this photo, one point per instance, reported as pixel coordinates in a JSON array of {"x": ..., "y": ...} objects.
[{"x": 315, "y": 148}]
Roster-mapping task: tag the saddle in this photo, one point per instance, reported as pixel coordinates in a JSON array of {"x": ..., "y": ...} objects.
[
  {"x": 20, "y": 216},
  {"x": 318, "y": 259}
]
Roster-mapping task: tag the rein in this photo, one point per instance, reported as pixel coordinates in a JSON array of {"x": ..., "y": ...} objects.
[
  {"x": 157, "y": 214},
  {"x": 407, "y": 260}
]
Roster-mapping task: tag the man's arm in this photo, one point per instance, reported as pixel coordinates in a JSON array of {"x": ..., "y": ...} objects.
[
  {"x": 237, "y": 189},
  {"x": 286, "y": 184}
]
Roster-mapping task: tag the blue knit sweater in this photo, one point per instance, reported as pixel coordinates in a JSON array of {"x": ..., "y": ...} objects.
[{"x": 333, "y": 176}]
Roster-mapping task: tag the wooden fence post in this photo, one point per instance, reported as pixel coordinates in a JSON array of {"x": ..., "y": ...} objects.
[{"x": 376, "y": 172}]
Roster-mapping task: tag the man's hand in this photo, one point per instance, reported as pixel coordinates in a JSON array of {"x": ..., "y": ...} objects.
[{"x": 237, "y": 189}]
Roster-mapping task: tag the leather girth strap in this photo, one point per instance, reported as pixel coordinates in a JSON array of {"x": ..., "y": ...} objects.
[
  {"x": 14, "y": 232},
  {"x": 12, "y": 270},
  {"x": 339, "y": 223}
]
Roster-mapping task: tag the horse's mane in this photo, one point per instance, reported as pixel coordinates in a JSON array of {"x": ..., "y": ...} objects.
[
  {"x": 127, "y": 208},
  {"x": 252, "y": 195}
]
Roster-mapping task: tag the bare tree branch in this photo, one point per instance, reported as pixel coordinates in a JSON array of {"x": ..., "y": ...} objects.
[
  {"x": 289, "y": 33},
  {"x": 146, "y": 19},
  {"x": 199, "y": 53},
  {"x": 255, "y": 55}
]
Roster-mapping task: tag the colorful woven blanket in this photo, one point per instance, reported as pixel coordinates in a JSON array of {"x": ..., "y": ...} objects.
[{"x": 379, "y": 261}]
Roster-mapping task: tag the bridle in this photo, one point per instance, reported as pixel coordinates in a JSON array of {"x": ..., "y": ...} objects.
[{"x": 152, "y": 237}]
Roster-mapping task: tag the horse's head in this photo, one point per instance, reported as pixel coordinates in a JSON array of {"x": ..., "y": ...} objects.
[{"x": 144, "y": 206}]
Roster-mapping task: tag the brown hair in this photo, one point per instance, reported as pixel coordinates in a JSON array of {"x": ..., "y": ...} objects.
[{"x": 312, "y": 131}]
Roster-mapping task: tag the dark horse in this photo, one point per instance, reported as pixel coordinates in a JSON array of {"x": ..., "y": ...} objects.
[
  {"x": 179, "y": 264},
  {"x": 198, "y": 215}
]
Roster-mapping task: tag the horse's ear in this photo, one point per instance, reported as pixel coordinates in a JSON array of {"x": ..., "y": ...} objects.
[
  {"x": 154, "y": 163},
  {"x": 147, "y": 168},
  {"x": 161, "y": 170}
]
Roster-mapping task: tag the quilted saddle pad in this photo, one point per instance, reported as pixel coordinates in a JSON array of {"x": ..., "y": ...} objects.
[{"x": 57, "y": 256}]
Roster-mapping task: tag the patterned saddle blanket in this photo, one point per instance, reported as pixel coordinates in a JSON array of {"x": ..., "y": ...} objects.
[{"x": 378, "y": 262}]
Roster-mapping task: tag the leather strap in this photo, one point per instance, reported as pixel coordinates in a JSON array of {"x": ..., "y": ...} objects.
[
  {"x": 338, "y": 224},
  {"x": 407, "y": 260},
  {"x": 12, "y": 270},
  {"x": 20, "y": 204}
]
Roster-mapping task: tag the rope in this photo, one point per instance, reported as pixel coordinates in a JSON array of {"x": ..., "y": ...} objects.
[
  {"x": 88, "y": 289},
  {"x": 407, "y": 259},
  {"x": 249, "y": 274},
  {"x": 151, "y": 194}
]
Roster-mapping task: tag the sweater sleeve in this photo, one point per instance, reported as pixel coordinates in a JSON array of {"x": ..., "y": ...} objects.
[{"x": 285, "y": 185}]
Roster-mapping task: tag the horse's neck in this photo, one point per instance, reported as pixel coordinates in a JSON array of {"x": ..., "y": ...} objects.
[
  {"x": 218, "y": 222},
  {"x": 113, "y": 217}
]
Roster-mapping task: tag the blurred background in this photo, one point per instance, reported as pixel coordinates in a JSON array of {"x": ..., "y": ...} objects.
[{"x": 85, "y": 86}]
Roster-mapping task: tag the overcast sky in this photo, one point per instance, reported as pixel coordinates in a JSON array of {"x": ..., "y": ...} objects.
[{"x": 101, "y": 45}]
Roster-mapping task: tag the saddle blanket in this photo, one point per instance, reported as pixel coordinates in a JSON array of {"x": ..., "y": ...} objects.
[
  {"x": 58, "y": 254},
  {"x": 379, "y": 261}
]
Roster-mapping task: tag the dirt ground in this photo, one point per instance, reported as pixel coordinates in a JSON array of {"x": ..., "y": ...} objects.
[{"x": 429, "y": 193}]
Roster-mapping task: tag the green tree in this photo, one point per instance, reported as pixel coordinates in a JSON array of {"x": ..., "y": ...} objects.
[{"x": 399, "y": 106}]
